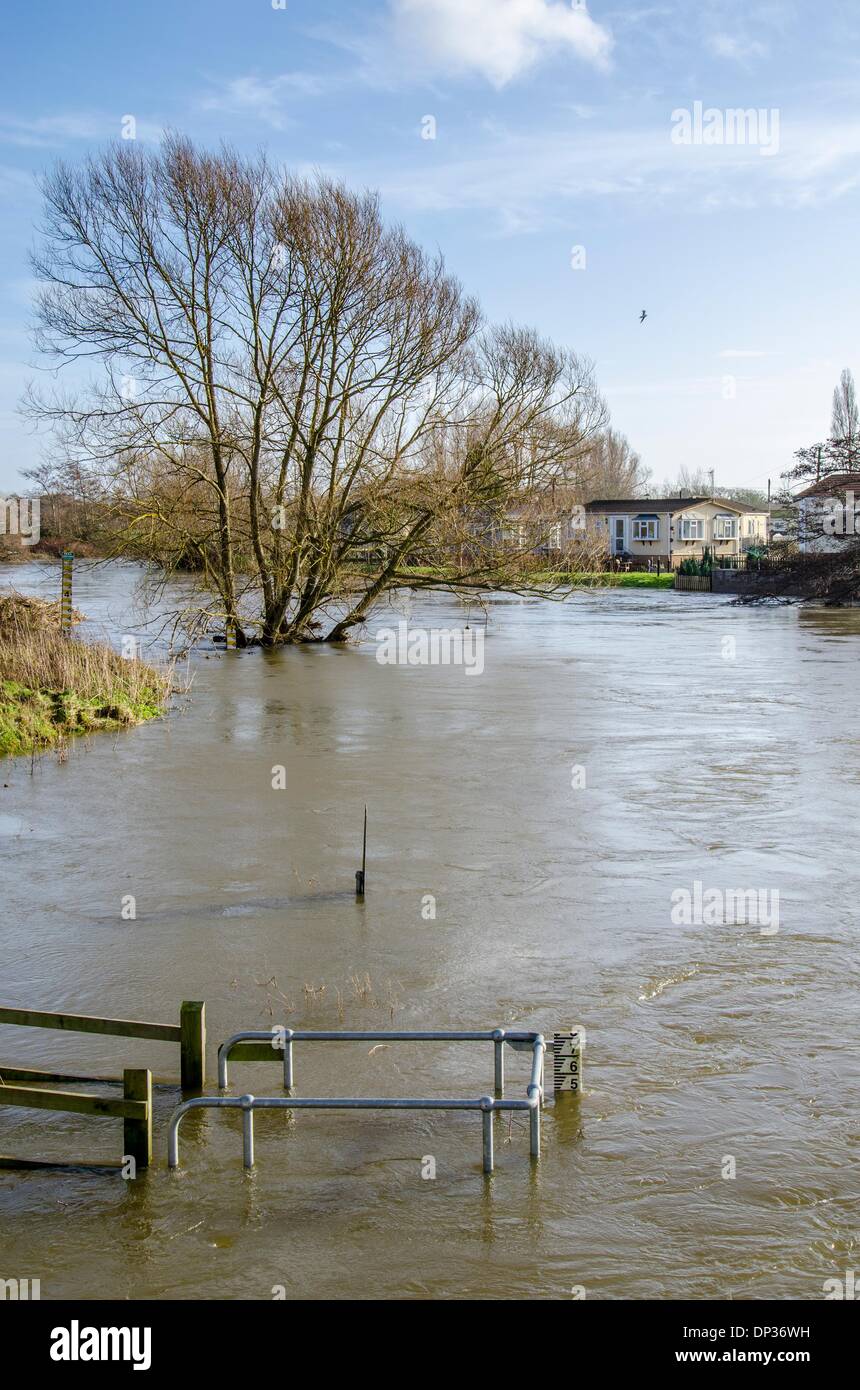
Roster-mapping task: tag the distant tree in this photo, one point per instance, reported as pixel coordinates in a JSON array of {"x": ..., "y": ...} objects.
[
  {"x": 610, "y": 468},
  {"x": 690, "y": 482},
  {"x": 845, "y": 420},
  {"x": 821, "y": 459},
  {"x": 697, "y": 483},
  {"x": 752, "y": 496}
]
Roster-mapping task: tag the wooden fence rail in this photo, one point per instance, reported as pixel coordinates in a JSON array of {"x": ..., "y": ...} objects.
[
  {"x": 189, "y": 1033},
  {"x": 134, "y": 1109}
]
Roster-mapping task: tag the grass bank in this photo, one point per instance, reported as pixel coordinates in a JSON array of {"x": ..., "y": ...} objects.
[
  {"x": 596, "y": 580},
  {"x": 636, "y": 579},
  {"x": 53, "y": 687}
]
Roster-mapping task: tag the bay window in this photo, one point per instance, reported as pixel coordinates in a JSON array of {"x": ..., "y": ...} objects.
[{"x": 645, "y": 528}]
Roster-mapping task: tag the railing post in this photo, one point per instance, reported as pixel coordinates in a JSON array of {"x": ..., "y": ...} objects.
[
  {"x": 288, "y": 1059},
  {"x": 247, "y": 1103},
  {"x": 192, "y": 1023},
  {"x": 137, "y": 1134},
  {"x": 499, "y": 1060},
  {"x": 487, "y": 1122},
  {"x": 534, "y": 1131}
]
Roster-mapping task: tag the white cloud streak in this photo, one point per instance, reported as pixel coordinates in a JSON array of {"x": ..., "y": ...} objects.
[
  {"x": 499, "y": 40},
  {"x": 528, "y": 181},
  {"x": 268, "y": 99}
]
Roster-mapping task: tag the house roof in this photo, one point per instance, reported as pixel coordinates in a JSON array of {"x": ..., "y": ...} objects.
[
  {"x": 666, "y": 504},
  {"x": 830, "y": 483}
]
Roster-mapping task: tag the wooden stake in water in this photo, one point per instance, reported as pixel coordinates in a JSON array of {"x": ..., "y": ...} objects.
[
  {"x": 359, "y": 873},
  {"x": 567, "y": 1061},
  {"x": 66, "y": 594}
]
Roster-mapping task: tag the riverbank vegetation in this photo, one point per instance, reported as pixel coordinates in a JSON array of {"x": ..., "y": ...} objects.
[
  {"x": 53, "y": 687},
  {"x": 298, "y": 405}
]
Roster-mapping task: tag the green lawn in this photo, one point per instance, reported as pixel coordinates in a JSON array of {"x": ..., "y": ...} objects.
[{"x": 634, "y": 580}]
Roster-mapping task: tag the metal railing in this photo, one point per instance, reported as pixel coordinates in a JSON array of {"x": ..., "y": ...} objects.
[{"x": 286, "y": 1037}]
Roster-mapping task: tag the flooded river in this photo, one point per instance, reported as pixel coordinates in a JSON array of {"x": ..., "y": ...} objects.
[{"x": 617, "y": 749}]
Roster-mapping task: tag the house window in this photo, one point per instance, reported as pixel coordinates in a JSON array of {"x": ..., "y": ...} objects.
[
  {"x": 725, "y": 528},
  {"x": 692, "y": 528},
  {"x": 645, "y": 528},
  {"x": 751, "y": 527}
]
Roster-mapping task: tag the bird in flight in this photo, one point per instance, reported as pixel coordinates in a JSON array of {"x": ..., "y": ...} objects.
[{"x": 643, "y": 316}]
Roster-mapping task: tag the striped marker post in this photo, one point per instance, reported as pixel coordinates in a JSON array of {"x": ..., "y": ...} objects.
[
  {"x": 567, "y": 1049},
  {"x": 66, "y": 594},
  {"x": 231, "y": 637}
]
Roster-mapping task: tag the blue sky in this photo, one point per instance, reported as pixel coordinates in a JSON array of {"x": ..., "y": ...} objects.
[{"x": 553, "y": 129}]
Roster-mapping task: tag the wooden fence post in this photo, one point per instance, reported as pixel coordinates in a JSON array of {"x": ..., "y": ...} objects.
[
  {"x": 66, "y": 594},
  {"x": 192, "y": 1024},
  {"x": 137, "y": 1134}
]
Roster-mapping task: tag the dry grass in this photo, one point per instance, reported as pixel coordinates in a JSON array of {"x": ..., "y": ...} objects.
[{"x": 53, "y": 686}]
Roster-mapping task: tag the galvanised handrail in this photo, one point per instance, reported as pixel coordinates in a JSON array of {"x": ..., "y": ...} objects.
[
  {"x": 283, "y": 1038},
  {"x": 486, "y": 1105}
]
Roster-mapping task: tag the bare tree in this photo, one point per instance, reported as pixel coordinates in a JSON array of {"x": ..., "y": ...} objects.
[
  {"x": 845, "y": 420},
  {"x": 611, "y": 468},
  {"x": 295, "y": 400},
  {"x": 690, "y": 482}
]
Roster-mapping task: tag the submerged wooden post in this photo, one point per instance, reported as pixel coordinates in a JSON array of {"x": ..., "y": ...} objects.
[
  {"x": 359, "y": 873},
  {"x": 66, "y": 594},
  {"x": 567, "y": 1061},
  {"x": 137, "y": 1134},
  {"x": 192, "y": 1026}
]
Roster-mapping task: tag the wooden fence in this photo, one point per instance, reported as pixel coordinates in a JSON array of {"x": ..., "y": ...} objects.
[
  {"x": 135, "y": 1107},
  {"x": 693, "y": 583}
]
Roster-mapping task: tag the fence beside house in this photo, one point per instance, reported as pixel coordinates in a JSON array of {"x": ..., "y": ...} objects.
[{"x": 693, "y": 583}]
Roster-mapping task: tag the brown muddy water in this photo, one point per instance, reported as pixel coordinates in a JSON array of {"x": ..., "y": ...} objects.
[{"x": 553, "y": 906}]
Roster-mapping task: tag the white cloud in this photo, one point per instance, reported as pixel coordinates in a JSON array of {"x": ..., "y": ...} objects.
[
  {"x": 267, "y": 99},
  {"x": 497, "y": 39},
  {"x": 527, "y": 180},
  {"x": 52, "y": 132},
  {"x": 741, "y": 51},
  {"x": 49, "y": 131}
]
